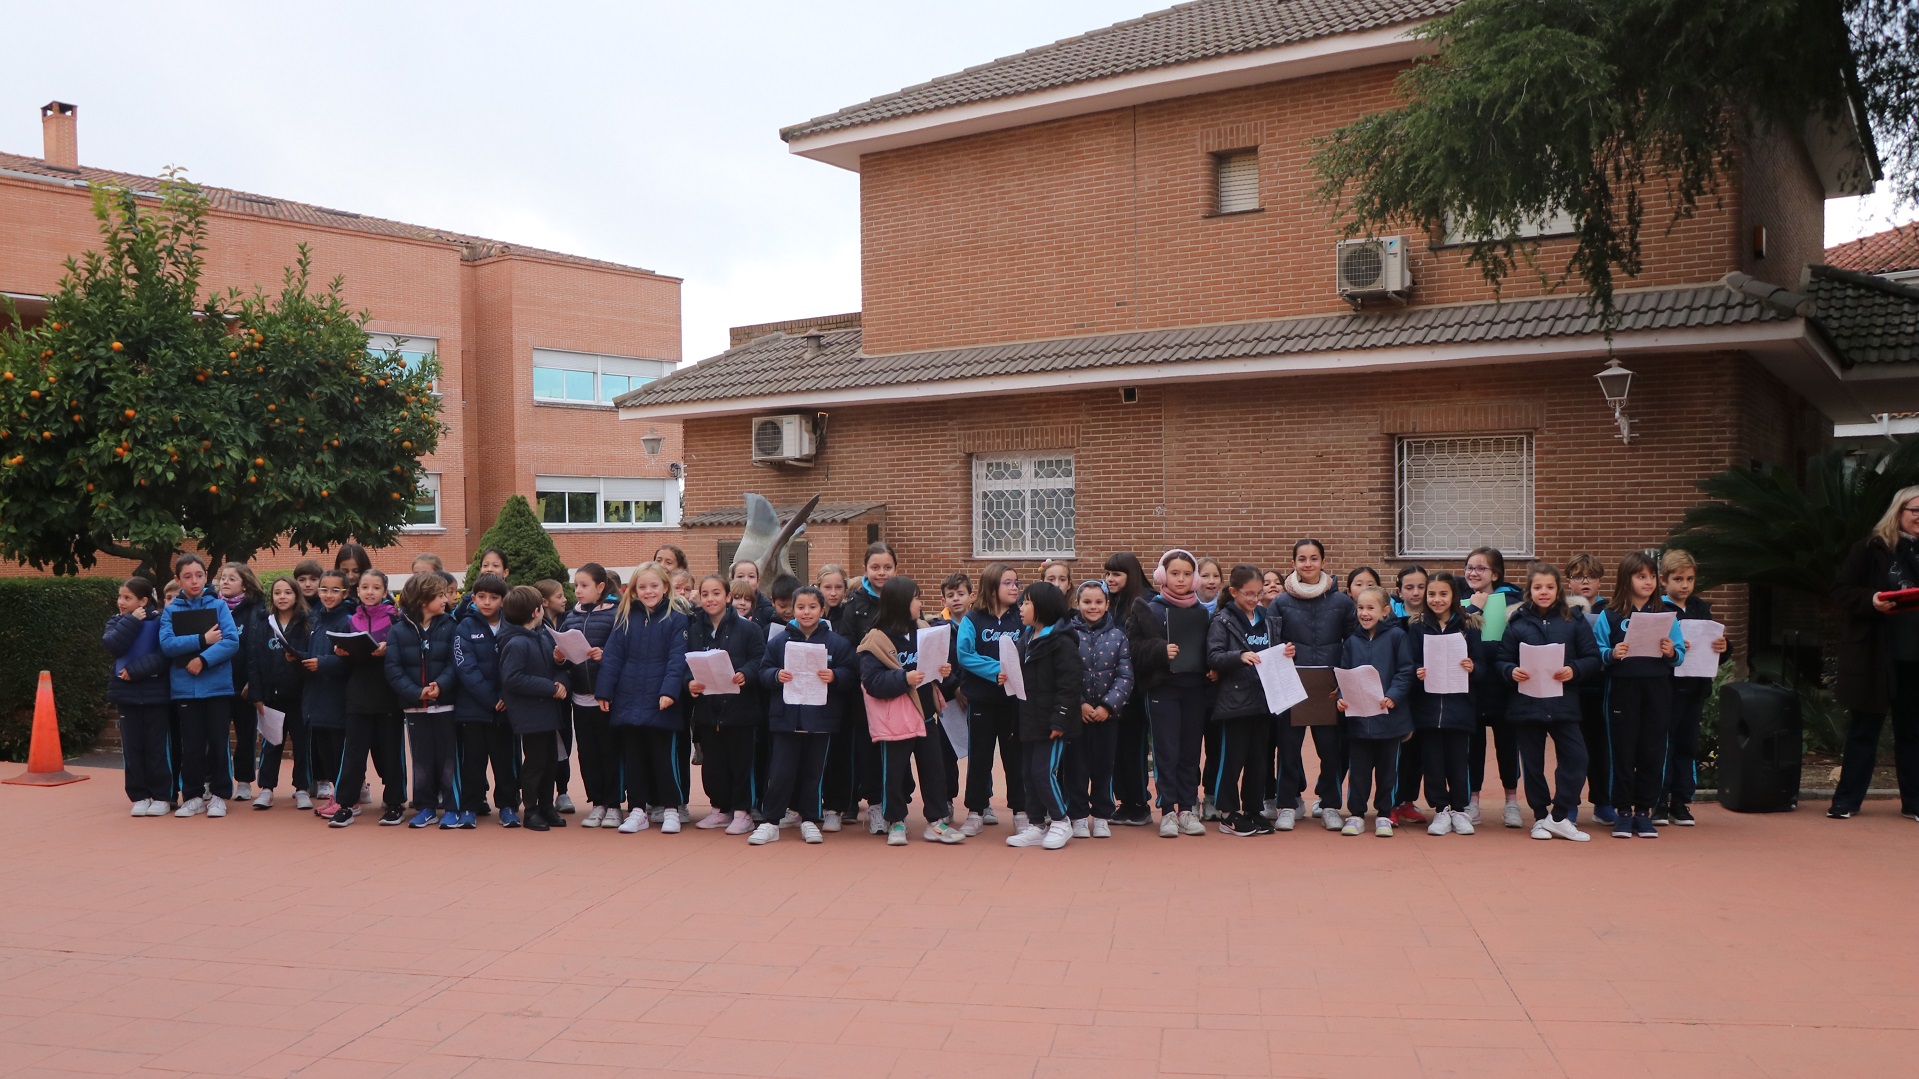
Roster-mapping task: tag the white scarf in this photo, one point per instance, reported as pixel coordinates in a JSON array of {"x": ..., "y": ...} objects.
[{"x": 1307, "y": 591}]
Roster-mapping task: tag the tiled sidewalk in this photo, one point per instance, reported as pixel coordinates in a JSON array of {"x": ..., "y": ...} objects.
[{"x": 268, "y": 945}]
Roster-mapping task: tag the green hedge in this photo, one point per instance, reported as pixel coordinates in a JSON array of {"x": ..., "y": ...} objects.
[{"x": 53, "y": 624}]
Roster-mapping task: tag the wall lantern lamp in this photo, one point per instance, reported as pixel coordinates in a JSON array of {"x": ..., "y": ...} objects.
[
  {"x": 1616, "y": 382},
  {"x": 652, "y": 443}
]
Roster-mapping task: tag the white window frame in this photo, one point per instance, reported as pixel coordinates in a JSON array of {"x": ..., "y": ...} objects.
[
  {"x": 1229, "y": 193},
  {"x": 1028, "y": 485},
  {"x": 429, "y": 481},
  {"x": 1543, "y": 227},
  {"x": 618, "y": 488},
  {"x": 381, "y": 343},
  {"x": 597, "y": 365},
  {"x": 1518, "y": 539}
]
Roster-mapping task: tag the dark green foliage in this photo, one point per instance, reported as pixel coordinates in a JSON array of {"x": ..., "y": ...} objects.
[
  {"x": 141, "y": 414},
  {"x": 1764, "y": 527},
  {"x": 54, "y": 625},
  {"x": 1588, "y": 106},
  {"x": 529, "y": 550}
]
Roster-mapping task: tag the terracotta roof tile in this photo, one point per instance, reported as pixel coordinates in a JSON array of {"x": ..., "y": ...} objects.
[
  {"x": 1201, "y": 30},
  {"x": 1883, "y": 252},
  {"x": 473, "y": 248}
]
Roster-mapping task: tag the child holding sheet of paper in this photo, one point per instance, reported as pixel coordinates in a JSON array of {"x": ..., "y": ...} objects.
[
  {"x": 800, "y": 732},
  {"x": 1679, "y": 575},
  {"x": 727, "y": 718},
  {"x": 1372, "y": 740},
  {"x": 1239, "y": 631},
  {"x": 899, "y": 681},
  {"x": 1639, "y": 692},
  {"x": 641, "y": 683},
  {"x": 1443, "y": 708},
  {"x": 1543, "y": 620},
  {"x": 992, "y": 715}
]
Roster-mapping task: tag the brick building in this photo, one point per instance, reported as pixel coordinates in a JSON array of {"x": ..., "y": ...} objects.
[
  {"x": 533, "y": 346},
  {"x": 1102, "y": 311}
]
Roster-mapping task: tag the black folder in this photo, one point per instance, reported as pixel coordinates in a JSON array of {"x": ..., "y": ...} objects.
[
  {"x": 1186, "y": 627},
  {"x": 359, "y": 644},
  {"x": 191, "y": 624}
]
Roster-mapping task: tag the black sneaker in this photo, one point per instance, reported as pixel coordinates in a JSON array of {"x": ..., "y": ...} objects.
[
  {"x": 1839, "y": 814},
  {"x": 1681, "y": 816},
  {"x": 1662, "y": 815},
  {"x": 1235, "y": 824},
  {"x": 393, "y": 815},
  {"x": 1260, "y": 825},
  {"x": 553, "y": 818},
  {"x": 536, "y": 821},
  {"x": 341, "y": 817}
]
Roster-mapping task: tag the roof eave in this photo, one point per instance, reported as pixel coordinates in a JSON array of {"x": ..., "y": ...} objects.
[{"x": 844, "y": 146}]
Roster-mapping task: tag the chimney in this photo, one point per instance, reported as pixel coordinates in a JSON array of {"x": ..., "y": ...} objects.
[
  {"x": 815, "y": 341},
  {"x": 59, "y": 124}
]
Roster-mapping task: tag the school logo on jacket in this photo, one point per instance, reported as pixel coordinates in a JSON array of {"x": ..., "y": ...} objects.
[
  {"x": 991, "y": 634},
  {"x": 1258, "y": 640}
]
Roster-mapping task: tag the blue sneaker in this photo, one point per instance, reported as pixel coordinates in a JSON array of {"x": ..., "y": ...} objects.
[
  {"x": 508, "y": 818},
  {"x": 424, "y": 818},
  {"x": 1605, "y": 814},
  {"x": 466, "y": 819},
  {"x": 451, "y": 819}
]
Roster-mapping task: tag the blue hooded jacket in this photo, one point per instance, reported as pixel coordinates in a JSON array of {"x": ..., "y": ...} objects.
[
  {"x": 134, "y": 644},
  {"x": 1385, "y": 650},
  {"x": 216, "y": 676},
  {"x": 782, "y": 717},
  {"x": 323, "y": 703},
  {"x": 645, "y": 659}
]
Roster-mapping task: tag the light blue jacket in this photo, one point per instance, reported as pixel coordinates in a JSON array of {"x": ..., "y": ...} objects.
[{"x": 216, "y": 677}]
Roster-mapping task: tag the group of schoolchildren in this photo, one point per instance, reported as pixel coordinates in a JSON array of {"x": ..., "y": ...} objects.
[{"x": 1080, "y": 690}]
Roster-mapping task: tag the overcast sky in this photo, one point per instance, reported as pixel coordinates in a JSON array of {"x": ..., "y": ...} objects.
[{"x": 645, "y": 133}]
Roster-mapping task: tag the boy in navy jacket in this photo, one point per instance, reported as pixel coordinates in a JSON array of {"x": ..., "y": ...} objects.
[
  {"x": 534, "y": 694},
  {"x": 479, "y": 712}
]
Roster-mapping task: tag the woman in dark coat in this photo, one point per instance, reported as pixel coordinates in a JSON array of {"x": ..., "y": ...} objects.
[{"x": 1879, "y": 657}]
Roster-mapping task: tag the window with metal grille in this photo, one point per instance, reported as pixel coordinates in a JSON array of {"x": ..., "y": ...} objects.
[
  {"x": 1236, "y": 176},
  {"x": 1023, "y": 505},
  {"x": 1455, "y": 494}
]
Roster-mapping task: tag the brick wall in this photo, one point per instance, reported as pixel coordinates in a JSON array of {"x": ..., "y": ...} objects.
[
  {"x": 1240, "y": 469},
  {"x": 740, "y": 335},
  {"x": 1103, "y": 223}
]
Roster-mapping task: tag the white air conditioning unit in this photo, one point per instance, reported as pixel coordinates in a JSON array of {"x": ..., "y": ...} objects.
[
  {"x": 783, "y": 439},
  {"x": 1373, "y": 268}
]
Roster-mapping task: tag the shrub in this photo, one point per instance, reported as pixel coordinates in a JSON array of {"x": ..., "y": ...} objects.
[
  {"x": 529, "y": 551},
  {"x": 54, "y": 625}
]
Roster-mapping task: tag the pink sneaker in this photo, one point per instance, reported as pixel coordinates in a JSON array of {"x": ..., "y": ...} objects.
[
  {"x": 326, "y": 809},
  {"x": 742, "y": 824},
  {"x": 715, "y": 819}
]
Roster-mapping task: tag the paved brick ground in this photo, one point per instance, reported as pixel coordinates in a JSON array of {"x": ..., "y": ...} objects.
[{"x": 268, "y": 945}]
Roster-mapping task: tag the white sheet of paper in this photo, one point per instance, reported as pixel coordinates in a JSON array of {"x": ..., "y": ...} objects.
[
  {"x": 1359, "y": 687},
  {"x": 572, "y": 644},
  {"x": 713, "y": 669},
  {"x": 1009, "y": 663},
  {"x": 1644, "y": 631},
  {"x": 806, "y": 661},
  {"x": 1701, "y": 661},
  {"x": 1444, "y": 654},
  {"x": 273, "y": 725},
  {"x": 935, "y": 650},
  {"x": 774, "y": 633},
  {"x": 1280, "y": 679},
  {"x": 958, "y": 731},
  {"x": 1541, "y": 662}
]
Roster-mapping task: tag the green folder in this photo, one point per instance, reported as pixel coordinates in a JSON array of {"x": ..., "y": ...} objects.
[{"x": 1493, "y": 619}]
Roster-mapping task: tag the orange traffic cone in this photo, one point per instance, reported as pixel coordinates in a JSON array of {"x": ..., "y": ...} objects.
[{"x": 45, "y": 766}]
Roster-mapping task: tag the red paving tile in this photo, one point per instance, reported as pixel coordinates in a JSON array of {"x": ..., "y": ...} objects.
[{"x": 268, "y": 945}]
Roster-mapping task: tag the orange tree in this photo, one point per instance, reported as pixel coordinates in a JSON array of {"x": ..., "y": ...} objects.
[{"x": 141, "y": 415}]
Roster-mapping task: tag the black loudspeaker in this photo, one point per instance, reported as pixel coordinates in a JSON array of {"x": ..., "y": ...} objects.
[{"x": 1761, "y": 739}]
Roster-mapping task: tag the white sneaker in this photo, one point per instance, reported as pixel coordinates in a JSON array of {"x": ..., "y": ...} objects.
[
  {"x": 765, "y": 833},
  {"x": 1168, "y": 825},
  {"x": 1315, "y": 811},
  {"x": 1383, "y": 826},
  {"x": 216, "y": 806},
  {"x": 1462, "y": 824},
  {"x": 656, "y": 814},
  {"x": 1082, "y": 829},
  {"x": 1442, "y": 823},
  {"x": 972, "y": 825},
  {"x": 1102, "y": 830},
  {"x": 636, "y": 821},
  {"x": 1028, "y": 836},
  {"x": 1208, "y": 812},
  {"x": 741, "y": 823},
  {"x": 1561, "y": 829},
  {"x": 715, "y": 819},
  {"x": 1511, "y": 816},
  {"x": 366, "y": 794},
  {"x": 1189, "y": 824},
  {"x": 1472, "y": 809},
  {"x": 670, "y": 823},
  {"x": 324, "y": 792},
  {"x": 791, "y": 819},
  {"x": 263, "y": 801},
  {"x": 875, "y": 820},
  {"x": 831, "y": 821},
  {"x": 808, "y": 831},
  {"x": 159, "y": 807},
  {"x": 943, "y": 832},
  {"x": 594, "y": 817},
  {"x": 1271, "y": 809},
  {"x": 1286, "y": 820},
  {"x": 242, "y": 790},
  {"x": 140, "y": 807},
  {"x": 896, "y": 835},
  {"x": 1057, "y": 833},
  {"x": 564, "y": 803},
  {"x": 1021, "y": 822},
  {"x": 1330, "y": 817},
  {"x": 192, "y": 807},
  {"x": 302, "y": 800},
  {"x": 987, "y": 815},
  {"x": 1539, "y": 829}
]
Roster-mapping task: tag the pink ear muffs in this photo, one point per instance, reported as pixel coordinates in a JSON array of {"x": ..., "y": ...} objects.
[{"x": 1159, "y": 571}]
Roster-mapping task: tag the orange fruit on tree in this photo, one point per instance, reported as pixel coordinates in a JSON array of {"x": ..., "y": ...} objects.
[
  {"x": 259, "y": 462},
  {"x": 131, "y": 413},
  {"x": 116, "y": 346},
  {"x": 213, "y": 488}
]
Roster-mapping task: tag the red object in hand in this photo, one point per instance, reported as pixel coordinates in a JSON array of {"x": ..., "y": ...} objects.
[{"x": 1905, "y": 599}]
